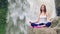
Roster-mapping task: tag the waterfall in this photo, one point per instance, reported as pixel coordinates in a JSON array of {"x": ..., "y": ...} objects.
[
  {"x": 16, "y": 17},
  {"x": 20, "y": 12}
]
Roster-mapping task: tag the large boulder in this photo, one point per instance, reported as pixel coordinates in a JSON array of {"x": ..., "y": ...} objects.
[{"x": 42, "y": 31}]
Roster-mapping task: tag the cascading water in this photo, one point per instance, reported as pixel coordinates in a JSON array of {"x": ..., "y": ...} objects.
[
  {"x": 16, "y": 18},
  {"x": 20, "y": 12}
]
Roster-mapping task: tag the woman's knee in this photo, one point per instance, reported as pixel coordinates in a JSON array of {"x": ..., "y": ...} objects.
[
  {"x": 33, "y": 24},
  {"x": 48, "y": 24}
]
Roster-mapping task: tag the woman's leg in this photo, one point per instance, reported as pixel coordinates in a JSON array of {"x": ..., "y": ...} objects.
[
  {"x": 48, "y": 24},
  {"x": 33, "y": 24},
  {"x": 41, "y": 24}
]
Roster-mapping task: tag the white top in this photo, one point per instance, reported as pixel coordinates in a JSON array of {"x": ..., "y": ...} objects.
[{"x": 43, "y": 19}]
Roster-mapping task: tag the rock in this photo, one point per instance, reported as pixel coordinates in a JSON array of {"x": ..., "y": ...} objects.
[
  {"x": 41, "y": 31},
  {"x": 55, "y": 22}
]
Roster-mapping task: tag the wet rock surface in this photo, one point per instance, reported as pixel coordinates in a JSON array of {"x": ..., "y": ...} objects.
[{"x": 42, "y": 31}]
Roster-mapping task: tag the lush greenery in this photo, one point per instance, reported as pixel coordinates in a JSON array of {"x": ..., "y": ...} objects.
[{"x": 3, "y": 11}]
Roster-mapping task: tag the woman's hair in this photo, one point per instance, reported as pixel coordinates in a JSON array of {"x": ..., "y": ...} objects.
[{"x": 44, "y": 8}]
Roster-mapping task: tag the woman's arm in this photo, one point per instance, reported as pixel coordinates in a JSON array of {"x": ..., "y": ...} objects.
[
  {"x": 37, "y": 20},
  {"x": 48, "y": 18}
]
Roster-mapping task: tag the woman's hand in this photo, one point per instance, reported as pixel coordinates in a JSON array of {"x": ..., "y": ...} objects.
[
  {"x": 31, "y": 22},
  {"x": 50, "y": 19}
]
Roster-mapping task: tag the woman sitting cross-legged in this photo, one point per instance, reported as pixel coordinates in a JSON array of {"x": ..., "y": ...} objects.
[{"x": 43, "y": 19}]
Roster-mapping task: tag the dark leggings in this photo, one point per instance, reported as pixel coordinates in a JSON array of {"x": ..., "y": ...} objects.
[{"x": 47, "y": 24}]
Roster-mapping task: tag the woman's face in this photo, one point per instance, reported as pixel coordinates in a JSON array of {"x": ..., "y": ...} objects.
[{"x": 42, "y": 8}]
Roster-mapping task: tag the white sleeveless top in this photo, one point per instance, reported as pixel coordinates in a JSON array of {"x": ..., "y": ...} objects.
[{"x": 43, "y": 19}]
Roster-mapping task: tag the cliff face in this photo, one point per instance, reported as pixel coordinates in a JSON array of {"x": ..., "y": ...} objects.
[{"x": 57, "y": 3}]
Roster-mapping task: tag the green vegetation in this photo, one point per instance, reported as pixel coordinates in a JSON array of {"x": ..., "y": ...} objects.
[{"x": 3, "y": 11}]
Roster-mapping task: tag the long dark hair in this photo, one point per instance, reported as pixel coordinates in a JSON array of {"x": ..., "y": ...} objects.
[{"x": 44, "y": 8}]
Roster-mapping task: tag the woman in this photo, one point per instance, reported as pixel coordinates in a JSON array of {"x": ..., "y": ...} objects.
[{"x": 43, "y": 19}]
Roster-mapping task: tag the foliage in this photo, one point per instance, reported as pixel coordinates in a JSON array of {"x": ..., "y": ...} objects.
[{"x": 3, "y": 11}]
